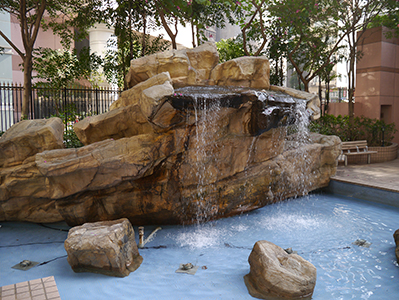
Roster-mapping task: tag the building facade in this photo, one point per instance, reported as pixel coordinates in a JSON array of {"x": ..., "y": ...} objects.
[{"x": 377, "y": 77}]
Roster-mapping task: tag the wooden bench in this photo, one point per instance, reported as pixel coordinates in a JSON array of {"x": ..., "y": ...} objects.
[{"x": 354, "y": 148}]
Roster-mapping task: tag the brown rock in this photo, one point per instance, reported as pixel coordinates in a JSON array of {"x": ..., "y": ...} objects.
[
  {"x": 274, "y": 274},
  {"x": 251, "y": 72},
  {"x": 186, "y": 67},
  {"x": 202, "y": 59},
  {"x": 192, "y": 170},
  {"x": 313, "y": 101},
  {"x": 107, "y": 247},
  {"x": 26, "y": 138},
  {"x": 134, "y": 119},
  {"x": 103, "y": 164},
  {"x": 153, "y": 96},
  {"x": 122, "y": 122},
  {"x": 396, "y": 238},
  {"x": 166, "y": 116},
  {"x": 133, "y": 95}
]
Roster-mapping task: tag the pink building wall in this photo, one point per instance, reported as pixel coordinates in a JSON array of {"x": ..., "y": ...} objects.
[
  {"x": 342, "y": 108},
  {"x": 44, "y": 39},
  {"x": 377, "y": 77}
]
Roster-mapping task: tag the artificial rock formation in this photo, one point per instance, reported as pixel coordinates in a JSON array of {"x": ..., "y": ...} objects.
[
  {"x": 107, "y": 247},
  {"x": 167, "y": 155},
  {"x": 276, "y": 275}
]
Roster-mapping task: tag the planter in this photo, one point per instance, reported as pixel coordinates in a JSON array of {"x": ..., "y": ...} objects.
[{"x": 383, "y": 154}]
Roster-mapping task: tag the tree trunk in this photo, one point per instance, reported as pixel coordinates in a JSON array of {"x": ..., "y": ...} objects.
[
  {"x": 197, "y": 34},
  {"x": 143, "y": 41},
  {"x": 328, "y": 91},
  {"x": 193, "y": 34},
  {"x": 306, "y": 86},
  {"x": 323, "y": 112},
  {"x": 168, "y": 30},
  {"x": 27, "y": 85},
  {"x": 351, "y": 76}
]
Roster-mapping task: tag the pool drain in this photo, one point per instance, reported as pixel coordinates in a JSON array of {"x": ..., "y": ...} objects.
[
  {"x": 25, "y": 265},
  {"x": 188, "y": 268}
]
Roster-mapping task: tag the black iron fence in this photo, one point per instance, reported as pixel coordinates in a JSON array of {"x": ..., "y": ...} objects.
[{"x": 47, "y": 102}]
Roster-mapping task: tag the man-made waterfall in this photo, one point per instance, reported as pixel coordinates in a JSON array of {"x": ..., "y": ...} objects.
[
  {"x": 173, "y": 156},
  {"x": 205, "y": 108}
]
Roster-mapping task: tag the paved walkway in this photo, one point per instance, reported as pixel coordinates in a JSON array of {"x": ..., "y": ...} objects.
[{"x": 383, "y": 176}]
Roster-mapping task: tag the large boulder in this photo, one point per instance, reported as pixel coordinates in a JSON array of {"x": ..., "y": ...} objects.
[
  {"x": 253, "y": 72},
  {"x": 133, "y": 95},
  {"x": 313, "y": 101},
  {"x": 396, "y": 239},
  {"x": 107, "y": 247},
  {"x": 275, "y": 274},
  {"x": 26, "y": 138},
  {"x": 186, "y": 67},
  {"x": 122, "y": 122},
  {"x": 132, "y": 114},
  {"x": 103, "y": 164}
]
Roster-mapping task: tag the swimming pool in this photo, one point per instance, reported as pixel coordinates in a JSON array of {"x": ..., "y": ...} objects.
[{"x": 321, "y": 228}]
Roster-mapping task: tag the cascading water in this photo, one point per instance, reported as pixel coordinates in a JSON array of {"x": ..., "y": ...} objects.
[
  {"x": 205, "y": 109},
  {"x": 297, "y": 141},
  {"x": 206, "y": 114}
]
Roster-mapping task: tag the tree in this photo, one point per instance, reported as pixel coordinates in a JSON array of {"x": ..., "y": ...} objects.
[
  {"x": 199, "y": 13},
  {"x": 60, "y": 68},
  {"x": 252, "y": 17},
  {"x": 389, "y": 17},
  {"x": 310, "y": 29},
  {"x": 276, "y": 51},
  {"x": 60, "y": 15},
  {"x": 202, "y": 15}
]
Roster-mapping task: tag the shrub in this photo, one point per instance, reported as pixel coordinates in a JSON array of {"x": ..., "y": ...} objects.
[
  {"x": 70, "y": 116},
  {"x": 374, "y": 131}
]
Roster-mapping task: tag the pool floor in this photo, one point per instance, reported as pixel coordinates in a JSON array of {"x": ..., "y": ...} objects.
[{"x": 322, "y": 228}]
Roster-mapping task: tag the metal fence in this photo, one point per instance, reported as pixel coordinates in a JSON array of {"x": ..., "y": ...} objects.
[{"x": 47, "y": 102}]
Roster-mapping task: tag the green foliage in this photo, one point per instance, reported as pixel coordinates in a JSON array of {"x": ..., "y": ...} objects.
[
  {"x": 362, "y": 128},
  {"x": 60, "y": 68},
  {"x": 122, "y": 50},
  {"x": 254, "y": 18},
  {"x": 70, "y": 116},
  {"x": 229, "y": 49},
  {"x": 388, "y": 18},
  {"x": 1, "y": 133}
]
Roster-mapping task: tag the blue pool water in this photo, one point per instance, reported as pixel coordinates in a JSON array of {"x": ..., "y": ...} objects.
[{"x": 321, "y": 228}]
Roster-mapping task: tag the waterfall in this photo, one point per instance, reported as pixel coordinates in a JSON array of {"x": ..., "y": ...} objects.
[
  {"x": 298, "y": 138},
  {"x": 209, "y": 112},
  {"x": 206, "y": 115}
]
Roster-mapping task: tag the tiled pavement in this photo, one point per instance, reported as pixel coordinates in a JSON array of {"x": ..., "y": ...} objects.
[
  {"x": 38, "y": 289},
  {"x": 384, "y": 176}
]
